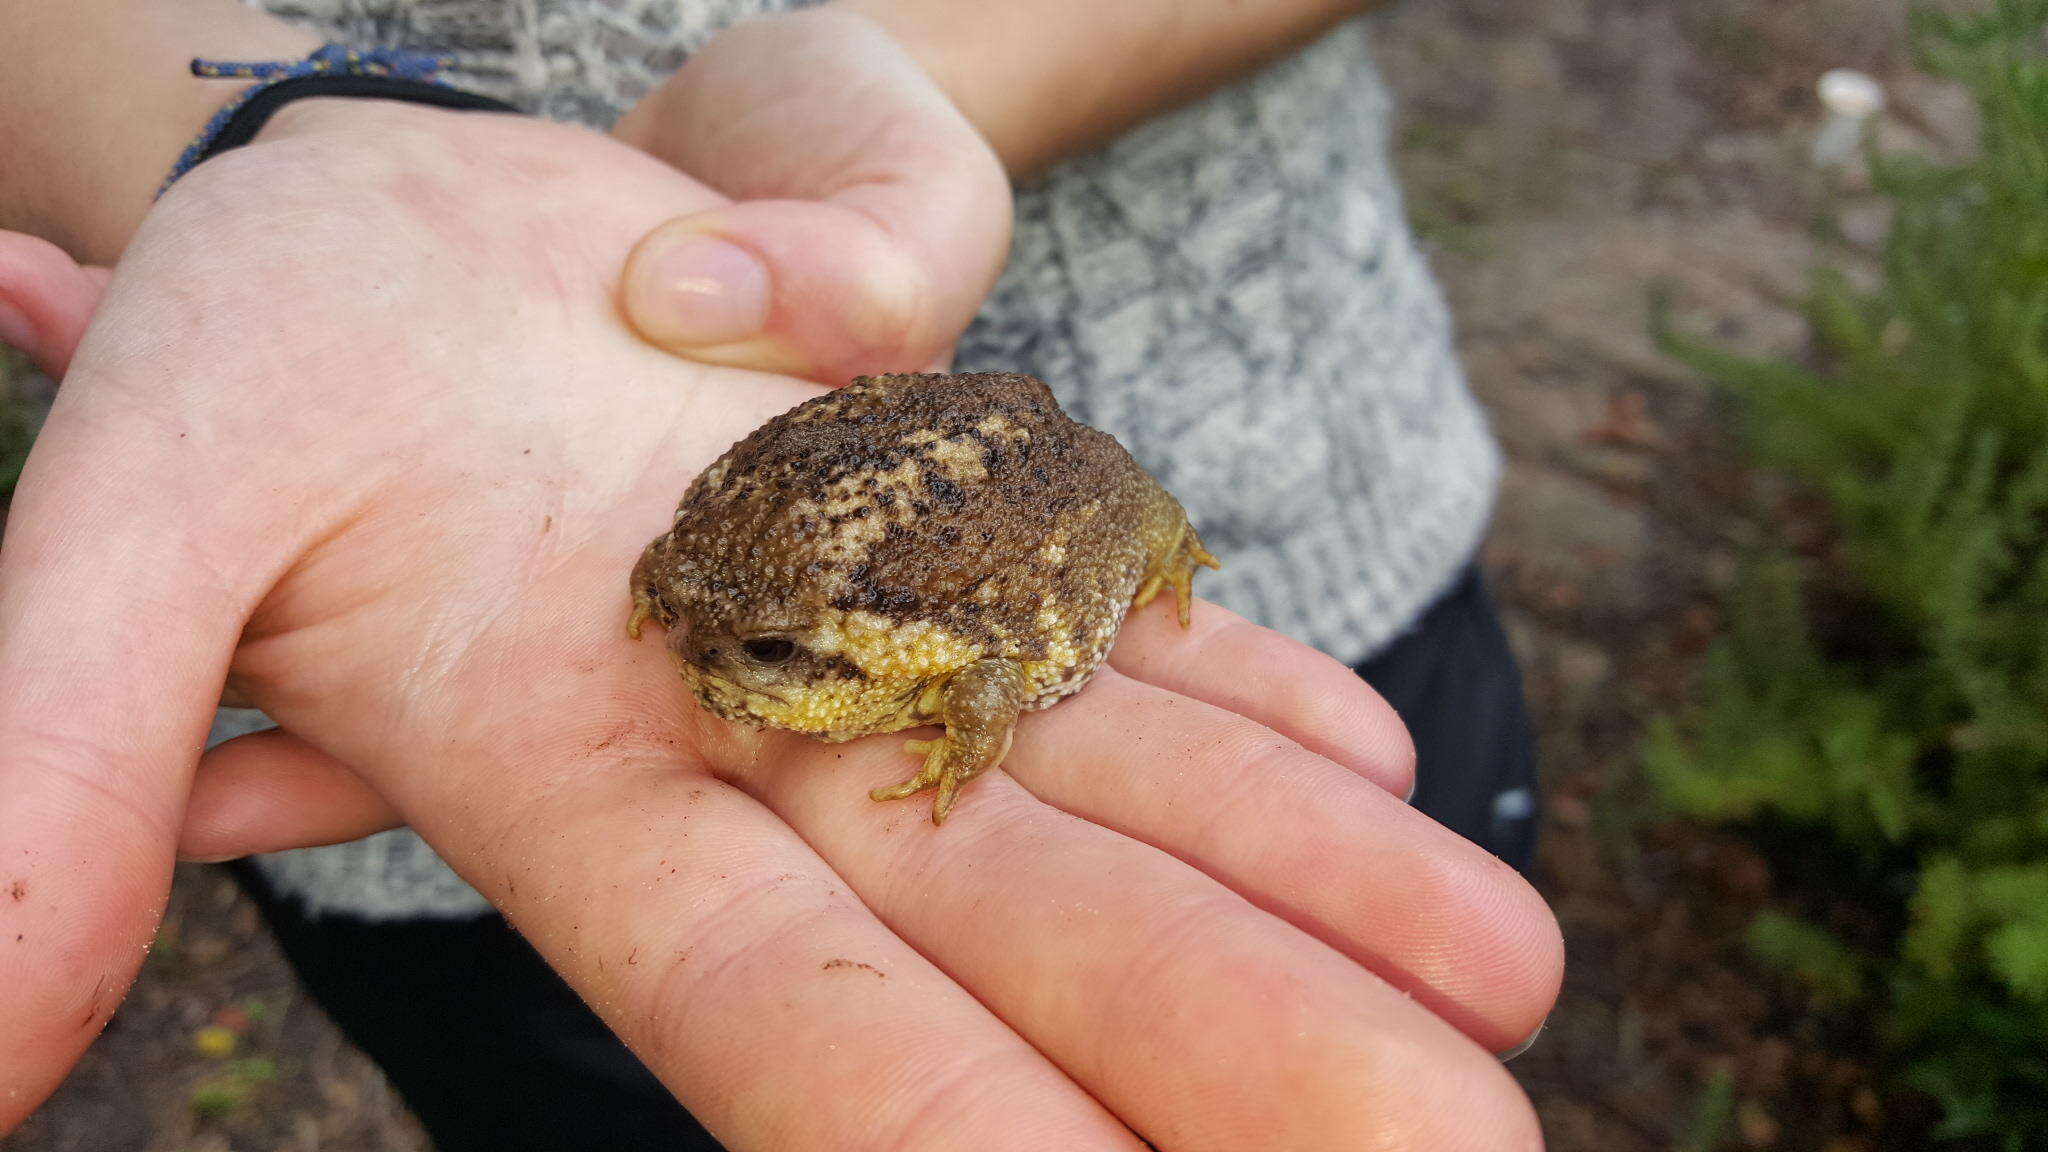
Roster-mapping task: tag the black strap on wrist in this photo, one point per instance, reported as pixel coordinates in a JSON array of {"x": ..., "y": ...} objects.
[
  {"x": 334, "y": 70},
  {"x": 256, "y": 111}
]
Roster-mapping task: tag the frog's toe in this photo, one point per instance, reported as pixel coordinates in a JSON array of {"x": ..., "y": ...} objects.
[
  {"x": 910, "y": 787},
  {"x": 949, "y": 790},
  {"x": 643, "y": 611},
  {"x": 1146, "y": 591},
  {"x": 934, "y": 753},
  {"x": 1183, "y": 580},
  {"x": 1180, "y": 574}
]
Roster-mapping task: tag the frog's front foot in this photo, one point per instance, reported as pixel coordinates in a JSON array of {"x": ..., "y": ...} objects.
[
  {"x": 646, "y": 600},
  {"x": 932, "y": 775},
  {"x": 979, "y": 707},
  {"x": 643, "y": 611},
  {"x": 946, "y": 767}
]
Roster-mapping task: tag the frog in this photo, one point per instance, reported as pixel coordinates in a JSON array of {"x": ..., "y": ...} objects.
[{"x": 912, "y": 549}]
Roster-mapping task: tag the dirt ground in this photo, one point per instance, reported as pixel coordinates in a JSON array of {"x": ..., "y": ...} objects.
[{"x": 1565, "y": 159}]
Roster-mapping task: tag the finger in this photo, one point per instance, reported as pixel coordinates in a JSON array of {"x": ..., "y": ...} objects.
[
  {"x": 1223, "y": 659},
  {"x": 46, "y": 299},
  {"x": 746, "y": 975},
  {"x": 871, "y": 282},
  {"x": 1435, "y": 916},
  {"x": 872, "y": 217},
  {"x": 1200, "y": 1020},
  {"x": 116, "y": 627},
  {"x": 270, "y": 791}
]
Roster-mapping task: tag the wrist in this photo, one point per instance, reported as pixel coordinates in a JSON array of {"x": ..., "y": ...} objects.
[
  {"x": 324, "y": 139},
  {"x": 335, "y": 71},
  {"x": 327, "y": 151},
  {"x": 98, "y": 102},
  {"x": 1046, "y": 80}
]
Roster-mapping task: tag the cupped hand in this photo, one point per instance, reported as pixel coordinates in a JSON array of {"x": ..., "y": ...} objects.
[
  {"x": 358, "y": 432},
  {"x": 871, "y": 221}
]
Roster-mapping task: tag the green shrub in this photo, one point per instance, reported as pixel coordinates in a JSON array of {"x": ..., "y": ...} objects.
[{"x": 1888, "y": 700}]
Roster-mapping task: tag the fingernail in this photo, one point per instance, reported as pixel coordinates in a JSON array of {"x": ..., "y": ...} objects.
[
  {"x": 698, "y": 291},
  {"x": 1525, "y": 1045}
]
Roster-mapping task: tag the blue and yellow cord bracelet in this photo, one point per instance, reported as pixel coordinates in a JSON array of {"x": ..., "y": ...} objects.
[{"x": 331, "y": 70}]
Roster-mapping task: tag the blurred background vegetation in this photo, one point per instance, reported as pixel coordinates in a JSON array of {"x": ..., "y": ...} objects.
[{"x": 1879, "y": 707}]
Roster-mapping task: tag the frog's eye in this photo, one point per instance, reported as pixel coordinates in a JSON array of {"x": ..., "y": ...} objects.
[{"x": 769, "y": 649}]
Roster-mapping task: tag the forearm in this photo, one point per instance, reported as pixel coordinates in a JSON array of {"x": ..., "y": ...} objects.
[
  {"x": 1048, "y": 78},
  {"x": 97, "y": 100}
]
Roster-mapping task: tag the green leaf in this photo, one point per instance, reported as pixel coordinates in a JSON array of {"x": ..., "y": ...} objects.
[
  {"x": 2019, "y": 954},
  {"x": 1820, "y": 960},
  {"x": 1713, "y": 1116},
  {"x": 1944, "y": 914}
]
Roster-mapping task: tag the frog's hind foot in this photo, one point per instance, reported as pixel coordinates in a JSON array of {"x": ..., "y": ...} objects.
[{"x": 1177, "y": 571}]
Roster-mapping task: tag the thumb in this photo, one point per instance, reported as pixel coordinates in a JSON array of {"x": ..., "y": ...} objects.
[
  {"x": 46, "y": 299},
  {"x": 869, "y": 220},
  {"x": 883, "y": 277}
]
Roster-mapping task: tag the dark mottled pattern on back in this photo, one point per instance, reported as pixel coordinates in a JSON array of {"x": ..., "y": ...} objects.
[{"x": 963, "y": 482}]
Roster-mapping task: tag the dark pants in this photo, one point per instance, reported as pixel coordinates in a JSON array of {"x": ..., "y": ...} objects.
[
  {"x": 496, "y": 1054},
  {"x": 1455, "y": 683}
]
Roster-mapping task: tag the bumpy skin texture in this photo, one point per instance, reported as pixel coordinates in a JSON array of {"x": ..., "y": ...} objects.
[{"x": 907, "y": 550}]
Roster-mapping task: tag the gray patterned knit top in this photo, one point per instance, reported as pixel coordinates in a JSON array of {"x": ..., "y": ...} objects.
[{"x": 1230, "y": 289}]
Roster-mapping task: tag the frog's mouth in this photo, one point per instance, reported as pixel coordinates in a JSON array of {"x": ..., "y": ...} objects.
[
  {"x": 830, "y": 710},
  {"x": 702, "y": 677}
]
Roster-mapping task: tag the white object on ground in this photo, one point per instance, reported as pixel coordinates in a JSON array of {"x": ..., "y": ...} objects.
[{"x": 1851, "y": 99}]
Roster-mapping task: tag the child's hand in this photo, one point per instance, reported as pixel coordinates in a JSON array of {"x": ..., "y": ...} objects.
[{"x": 872, "y": 218}]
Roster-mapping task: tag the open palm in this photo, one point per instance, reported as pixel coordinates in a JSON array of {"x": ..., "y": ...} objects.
[{"x": 358, "y": 432}]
